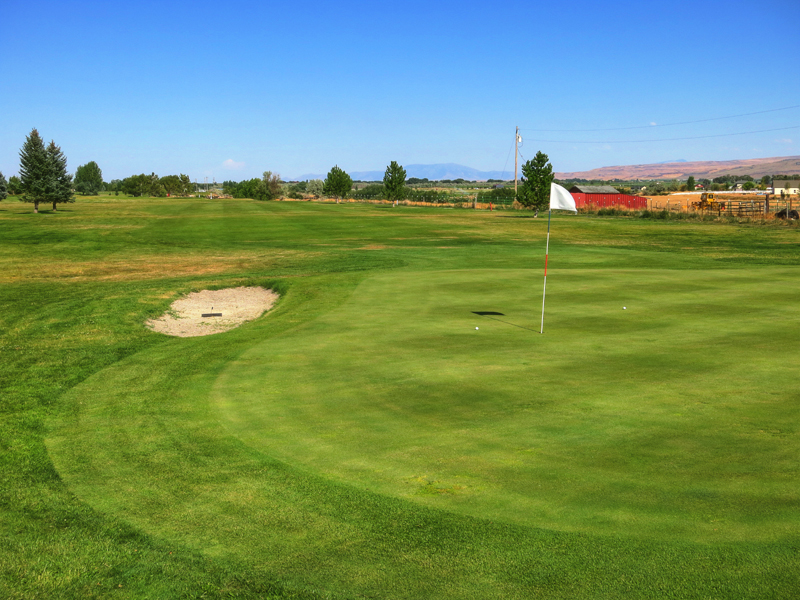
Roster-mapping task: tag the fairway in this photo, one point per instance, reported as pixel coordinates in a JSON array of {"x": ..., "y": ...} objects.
[{"x": 371, "y": 435}]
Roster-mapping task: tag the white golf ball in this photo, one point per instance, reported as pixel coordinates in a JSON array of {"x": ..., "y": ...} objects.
[
  {"x": 624, "y": 308},
  {"x": 476, "y": 328}
]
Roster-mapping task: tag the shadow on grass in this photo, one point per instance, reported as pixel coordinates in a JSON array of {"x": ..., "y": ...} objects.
[{"x": 490, "y": 314}]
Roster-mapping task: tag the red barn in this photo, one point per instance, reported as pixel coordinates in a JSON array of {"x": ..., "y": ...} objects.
[{"x": 605, "y": 196}]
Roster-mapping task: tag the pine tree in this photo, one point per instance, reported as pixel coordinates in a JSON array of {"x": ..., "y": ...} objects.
[
  {"x": 337, "y": 183},
  {"x": 3, "y": 187},
  {"x": 394, "y": 180},
  {"x": 43, "y": 173},
  {"x": 14, "y": 185},
  {"x": 34, "y": 171},
  {"x": 60, "y": 180},
  {"x": 538, "y": 175}
]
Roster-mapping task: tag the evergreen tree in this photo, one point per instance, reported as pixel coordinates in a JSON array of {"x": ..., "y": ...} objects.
[
  {"x": 14, "y": 185},
  {"x": 3, "y": 187},
  {"x": 34, "y": 171},
  {"x": 537, "y": 177},
  {"x": 690, "y": 184},
  {"x": 394, "y": 180},
  {"x": 60, "y": 186},
  {"x": 337, "y": 183},
  {"x": 88, "y": 179},
  {"x": 43, "y": 173}
]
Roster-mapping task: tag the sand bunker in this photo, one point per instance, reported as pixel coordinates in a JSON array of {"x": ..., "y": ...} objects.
[{"x": 237, "y": 305}]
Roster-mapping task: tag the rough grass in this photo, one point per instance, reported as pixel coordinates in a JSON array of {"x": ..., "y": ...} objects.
[{"x": 177, "y": 468}]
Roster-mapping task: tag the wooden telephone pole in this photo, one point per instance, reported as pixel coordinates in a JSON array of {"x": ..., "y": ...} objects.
[{"x": 516, "y": 142}]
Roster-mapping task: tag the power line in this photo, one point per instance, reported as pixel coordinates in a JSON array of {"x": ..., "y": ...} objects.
[
  {"x": 699, "y": 137},
  {"x": 760, "y": 112},
  {"x": 503, "y": 173}
]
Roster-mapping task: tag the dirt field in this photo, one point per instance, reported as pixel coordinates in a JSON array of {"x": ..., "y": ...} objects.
[{"x": 683, "y": 201}]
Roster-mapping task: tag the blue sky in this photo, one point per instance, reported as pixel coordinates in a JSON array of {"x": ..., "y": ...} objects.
[{"x": 228, "y": 90}]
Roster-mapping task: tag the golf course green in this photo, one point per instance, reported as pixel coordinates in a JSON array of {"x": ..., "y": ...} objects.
[{"x": 396, "y": 426}]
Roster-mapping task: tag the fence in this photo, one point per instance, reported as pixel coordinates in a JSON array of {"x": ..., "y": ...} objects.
[{"x": 751, "y": 207}]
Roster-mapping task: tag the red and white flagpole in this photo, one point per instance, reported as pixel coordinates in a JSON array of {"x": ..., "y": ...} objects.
[
  {"x": 546, "y": 254},
  {"x": 560, "y": 199}
]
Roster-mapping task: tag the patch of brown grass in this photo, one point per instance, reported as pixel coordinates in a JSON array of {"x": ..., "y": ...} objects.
[{"x": 142, "y": 267}]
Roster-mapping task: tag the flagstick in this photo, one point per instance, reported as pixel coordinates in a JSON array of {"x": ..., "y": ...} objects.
[{"x": 546, "y": 254}]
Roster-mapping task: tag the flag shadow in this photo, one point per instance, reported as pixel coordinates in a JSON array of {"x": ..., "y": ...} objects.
[{"x": 491, "y": 314}]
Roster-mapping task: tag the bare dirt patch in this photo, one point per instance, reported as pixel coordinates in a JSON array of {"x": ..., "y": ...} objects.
[{"x": 237, "y": 305}]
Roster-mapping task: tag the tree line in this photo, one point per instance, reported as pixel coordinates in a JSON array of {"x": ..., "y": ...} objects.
[
  {"x": 533, "y": 191},
  {"x": 43, "y": 177},
  {"x": 266, "y": 188},
  {"x": 152, "y": 185}
]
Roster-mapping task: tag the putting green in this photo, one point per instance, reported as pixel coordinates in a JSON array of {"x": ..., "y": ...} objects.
[{"x": 676, "y": 417}]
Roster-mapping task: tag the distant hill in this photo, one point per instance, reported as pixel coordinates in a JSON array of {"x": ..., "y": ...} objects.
[
  {"x": 432, "y": 172},
  {"x": 676, "y": 169},
  {"x": 755, "y": 167}
]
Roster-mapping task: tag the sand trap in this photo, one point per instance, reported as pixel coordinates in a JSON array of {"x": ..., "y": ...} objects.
[{"x": 237, "y": 305}]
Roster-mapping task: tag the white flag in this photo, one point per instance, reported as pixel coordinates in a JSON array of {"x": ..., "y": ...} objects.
[{"x": 561, "y": 199}]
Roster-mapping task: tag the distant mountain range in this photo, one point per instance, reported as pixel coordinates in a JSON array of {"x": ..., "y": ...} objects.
[
  {"x": 755, "y": 167},
  {"x": 676, "y": 169},
  {"x": 433, "y": 172}
]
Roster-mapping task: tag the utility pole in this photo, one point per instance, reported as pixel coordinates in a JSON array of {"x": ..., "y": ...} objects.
[{"x": 516, "y": 152}]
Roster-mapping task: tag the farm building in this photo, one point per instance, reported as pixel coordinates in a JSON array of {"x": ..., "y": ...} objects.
[
  {"x": 605, "y": 196},
  {"x": 786, "y": 186}
]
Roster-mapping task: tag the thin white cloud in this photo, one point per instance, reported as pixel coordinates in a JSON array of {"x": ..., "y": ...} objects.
[
  {"x": 653, "y": 123},
  {"x": 785, "y": 141},
  {"x": 232, "y": 165}
]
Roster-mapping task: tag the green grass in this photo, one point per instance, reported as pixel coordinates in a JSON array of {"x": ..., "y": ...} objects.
[{"x": 363, "y": 439}]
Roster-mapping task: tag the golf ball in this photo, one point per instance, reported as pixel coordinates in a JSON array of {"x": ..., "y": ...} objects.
[
  {"x": 624, "y": 308},
  {"x": 476, "y": 328}
]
